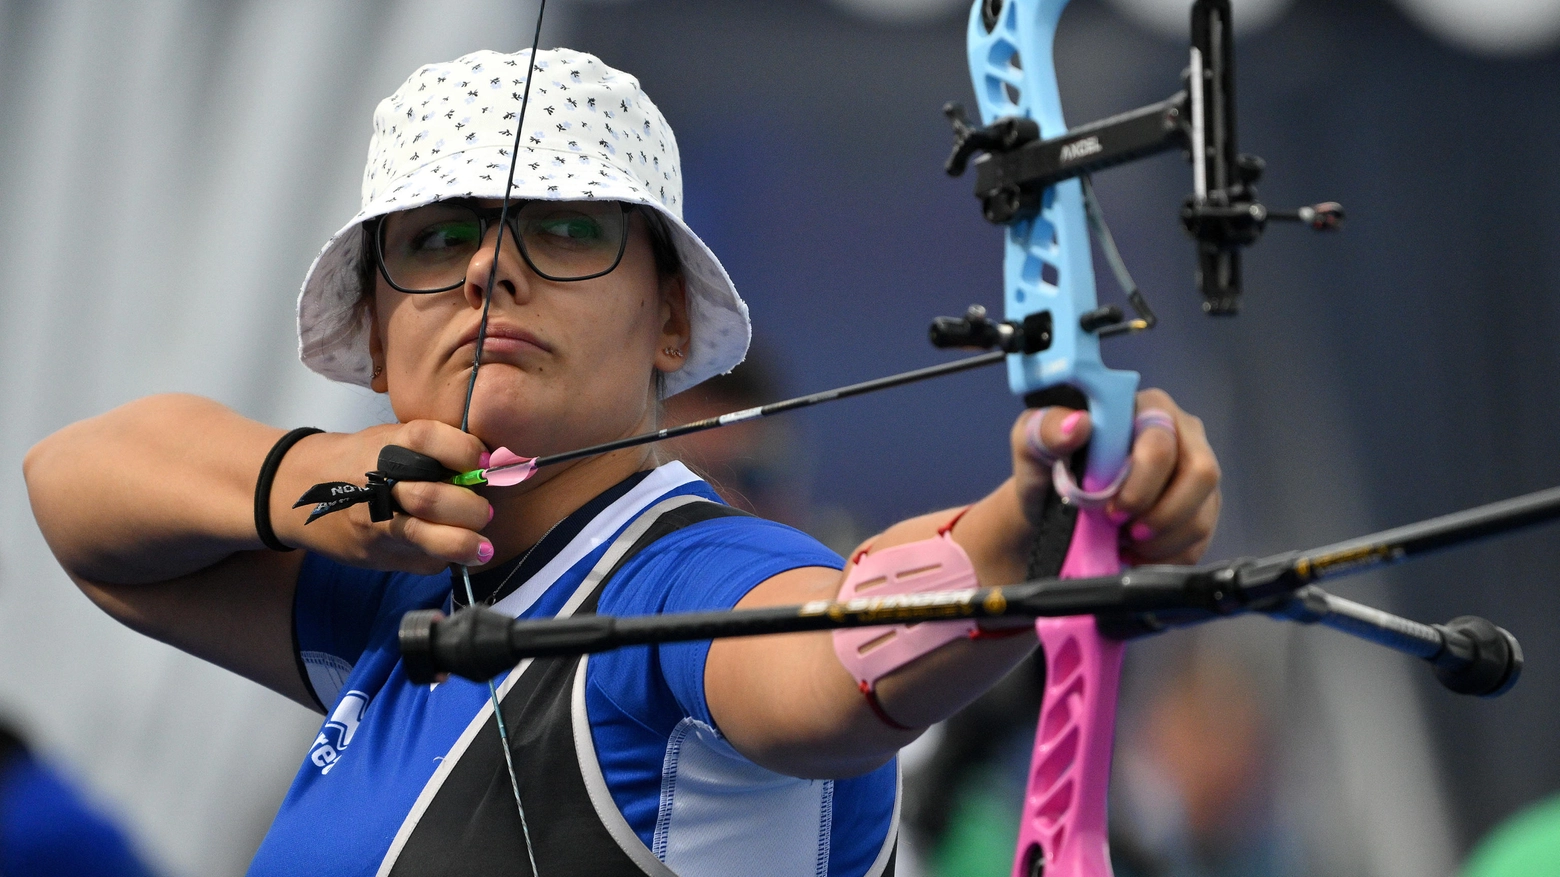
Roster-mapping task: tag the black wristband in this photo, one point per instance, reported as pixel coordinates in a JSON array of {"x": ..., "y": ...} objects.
[{"x": 263, "y": 485}]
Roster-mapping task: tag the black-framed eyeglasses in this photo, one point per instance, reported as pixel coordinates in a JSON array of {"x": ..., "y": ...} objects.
[{"x": 426, "y": 249}]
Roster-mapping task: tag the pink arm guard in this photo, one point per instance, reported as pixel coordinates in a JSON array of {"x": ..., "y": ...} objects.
[{"x": 935, "y": 564}]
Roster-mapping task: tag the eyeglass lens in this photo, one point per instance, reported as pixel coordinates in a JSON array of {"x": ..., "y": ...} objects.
[{"x": 427, "y": 249}]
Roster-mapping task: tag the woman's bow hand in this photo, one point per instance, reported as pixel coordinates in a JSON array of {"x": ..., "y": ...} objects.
[{"x": 1169, "y": 504}]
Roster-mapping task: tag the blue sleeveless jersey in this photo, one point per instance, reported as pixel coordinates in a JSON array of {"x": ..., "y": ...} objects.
[{"x": 691, "y": 799}]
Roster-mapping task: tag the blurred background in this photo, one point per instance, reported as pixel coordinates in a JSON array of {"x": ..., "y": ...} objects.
[{"x": 169, "y": 168}]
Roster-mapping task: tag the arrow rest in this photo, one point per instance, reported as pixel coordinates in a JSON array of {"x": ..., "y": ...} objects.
[{"x": 977, "y": 331}]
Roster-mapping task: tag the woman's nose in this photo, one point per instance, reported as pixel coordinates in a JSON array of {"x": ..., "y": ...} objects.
[{"x": 512, "y": 276}]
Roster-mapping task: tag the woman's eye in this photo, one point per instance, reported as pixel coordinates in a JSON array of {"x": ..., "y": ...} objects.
[
  {"x": 444, "y": 236},
  {"x": 575, "y": 228}
]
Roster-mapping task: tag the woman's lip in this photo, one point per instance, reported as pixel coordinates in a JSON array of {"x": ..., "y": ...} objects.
[{"x": 502, "y": 339}]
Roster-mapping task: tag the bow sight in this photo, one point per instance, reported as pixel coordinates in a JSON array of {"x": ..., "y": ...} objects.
[{"x": 1222, "y": 214}]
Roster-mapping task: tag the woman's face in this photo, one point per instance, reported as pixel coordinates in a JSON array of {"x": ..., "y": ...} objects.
[{"x": 565, "y": 364}]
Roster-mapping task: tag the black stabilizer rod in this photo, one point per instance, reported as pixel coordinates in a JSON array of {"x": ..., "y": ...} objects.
[
  {"x": 478, "y": 643},
  {"x": 1469, "y": 655}
]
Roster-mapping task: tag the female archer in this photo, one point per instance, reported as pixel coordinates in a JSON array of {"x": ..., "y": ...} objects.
[{"x": 769, "y": 755}]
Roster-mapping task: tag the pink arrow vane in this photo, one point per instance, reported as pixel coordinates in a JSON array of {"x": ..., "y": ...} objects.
[{"x": 507, "y": 468}]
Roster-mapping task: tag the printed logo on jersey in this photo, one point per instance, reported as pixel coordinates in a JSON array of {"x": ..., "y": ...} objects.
[{"x": 338, "y": 730}]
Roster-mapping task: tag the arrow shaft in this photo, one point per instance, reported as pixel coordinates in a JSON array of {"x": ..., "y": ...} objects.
[{"x": 747, "y": 414}]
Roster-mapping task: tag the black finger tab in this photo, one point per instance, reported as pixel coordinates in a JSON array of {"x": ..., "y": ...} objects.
[
  {"x": 404, "y": 464},
  {"x": 381, "y": 504}
]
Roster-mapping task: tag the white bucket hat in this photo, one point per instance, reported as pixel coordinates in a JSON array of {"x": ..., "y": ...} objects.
[{"x": 590, "y": 133}]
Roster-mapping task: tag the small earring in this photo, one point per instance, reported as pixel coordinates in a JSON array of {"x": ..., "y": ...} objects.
[
  {"x": 378, "y": 370},
  {"x": 672, "y": 352}
]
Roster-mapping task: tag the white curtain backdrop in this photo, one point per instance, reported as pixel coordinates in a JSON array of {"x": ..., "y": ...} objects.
[{"x": 168, "y": 170}]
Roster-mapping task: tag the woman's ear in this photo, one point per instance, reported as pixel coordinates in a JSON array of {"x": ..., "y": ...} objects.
[
  {"x": 672, "y": 351},
  {"x": 379, "y": 382}
]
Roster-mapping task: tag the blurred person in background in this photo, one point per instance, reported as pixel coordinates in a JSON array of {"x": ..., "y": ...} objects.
[
  {"x": 747, "y": 463},
  {"x": 47, "y": 829},
  {"x": 759, "y": 465},
  {"x": 1195, "y": 797},
  {"x": 174, "y": 514}
]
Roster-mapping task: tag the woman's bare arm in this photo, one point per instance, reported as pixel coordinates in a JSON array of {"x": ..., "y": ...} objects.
[
  {"x": 150, "y": 510},
  {"x": 787, "y": 703},
  {"x": 149, "y": 491}
]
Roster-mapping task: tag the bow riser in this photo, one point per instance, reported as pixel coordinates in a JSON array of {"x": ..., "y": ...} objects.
[{"x": 1048, "y": 266}]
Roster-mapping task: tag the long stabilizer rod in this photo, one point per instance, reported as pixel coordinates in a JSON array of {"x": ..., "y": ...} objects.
[{"x": 1470, "y": 655}]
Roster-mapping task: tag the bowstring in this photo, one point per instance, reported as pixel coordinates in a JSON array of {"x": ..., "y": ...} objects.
[{"x": 465, "y": 414}]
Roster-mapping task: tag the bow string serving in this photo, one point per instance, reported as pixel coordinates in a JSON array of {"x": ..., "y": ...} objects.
[{"x": 465, "y": 413}]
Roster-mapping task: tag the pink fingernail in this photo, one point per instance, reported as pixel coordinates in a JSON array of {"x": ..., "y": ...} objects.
[
  {"x": 1070, "y": 423},
  {"x": 490, "y": 514},
  {"x": 482, "y": 461},
  {"x": 1117, "y": 516},
  {"x": 485, "y": 551},
  {"x": 1142, "y": 532}
]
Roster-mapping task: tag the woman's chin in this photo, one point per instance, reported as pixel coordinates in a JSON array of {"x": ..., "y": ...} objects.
[
  {"x": 507, "y": 401},
  {"x": 529, "y": 426},
  {"x": 524, "y": 432},
  {"x": 520, "y": 411}
]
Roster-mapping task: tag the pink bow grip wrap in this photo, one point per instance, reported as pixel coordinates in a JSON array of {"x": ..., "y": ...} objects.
[
  {"x": 935, "y": 564},
  {"x": 1063, "y": 825}
]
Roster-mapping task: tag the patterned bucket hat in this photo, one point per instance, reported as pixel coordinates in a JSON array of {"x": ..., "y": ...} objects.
[{"x": 590, "y": 133}]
